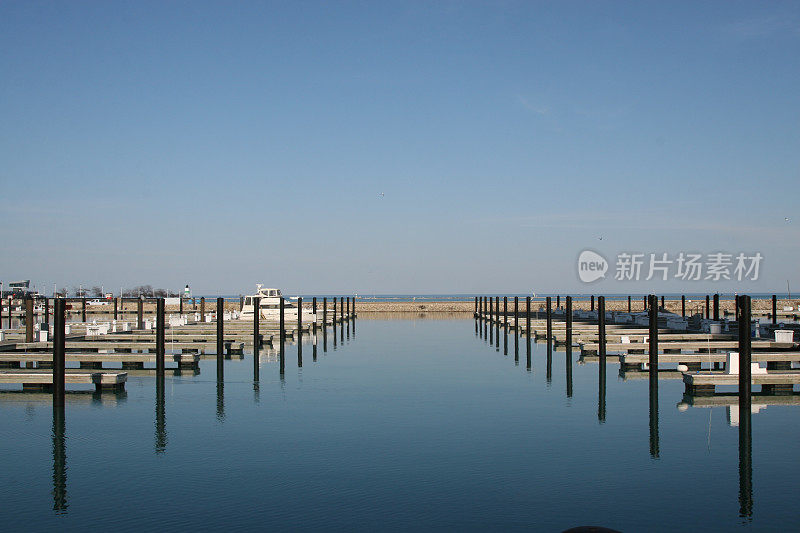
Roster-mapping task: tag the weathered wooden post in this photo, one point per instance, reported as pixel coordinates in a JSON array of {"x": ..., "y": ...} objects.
[
  {"x": 653, "y": 340},
  {"x": 505, "y": 312},
  {"x": 314, "y": 311},
  {"x": 716, "y": 306},
  {"x": 29, "y": 319},
  {"x": 241, "y": 302},
  {"x": 558, "y": 301},
  {"x": 568, "y": 346},
  {"x": 59, "y": 359},
  {"x": 324, "y": 314},
  {"x": 745, "y": 357},
  {"x": 745, "y": 396},
  {"x": 601, "y": 329},
  {"x": 491, "y": 324},
  {"x": 683, "y": 305},
  {"x": 281, "y": 323},
  {"x": 708, "y": 307},
  {"x": 83, "y": 309},
  {"x": 528, "y": 316},
  {"x": 601, "y": 334},
  {"x": 662, "y": 303},
  {"x": 220, "y": 336},
  {"x": 140, "y": 313},
  {"x": 569, "y": 322},
  {"x": 116, "y": 310},
  {"x": 160, "y": 348},
  {"x": 348, "y": 307},
  {"x": 299, "y": 316},
  {"x": 46, "y": 313},
  {"x": 180, "y": 305},
  {"x": 592, "y": 309},
  {"x": 644, "y": 303},
  {"x": 342, "y": 321},
  {"x": 629, "y": 303},
  {"x": 202, "y": 309},
  {"x": 497, "y": 324},
  {"x": 299, "y": 333},
  {"x": 354, "y": 312},
  {"x": 549, "y": 320},
  {"x": 774, "y": 310},
  {"x": 256, "y": 334}
]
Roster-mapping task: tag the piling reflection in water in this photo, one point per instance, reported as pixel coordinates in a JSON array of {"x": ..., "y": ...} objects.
[
  {"x": 654, "y": 441},
  {"x": 549, "y": 367},
  {"x": 161, "y": 419},
  {"x": 59, "y": 461},
  {"x": 745, "y": 463},
  {"x": 601, "y": 394},
  {"x": 220, "y": 400},
  {"x": 299, "y": 349},
  {"x": 528, "y": 352}
]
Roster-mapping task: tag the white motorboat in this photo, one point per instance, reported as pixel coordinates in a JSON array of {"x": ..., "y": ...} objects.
[{"x": 269, "y": 305}]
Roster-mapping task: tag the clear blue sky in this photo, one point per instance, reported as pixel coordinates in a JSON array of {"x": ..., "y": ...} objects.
[{"x": 225, "y": 144}]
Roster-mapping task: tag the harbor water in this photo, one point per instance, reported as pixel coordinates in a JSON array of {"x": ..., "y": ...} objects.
[{"x": 414, "y": 423}]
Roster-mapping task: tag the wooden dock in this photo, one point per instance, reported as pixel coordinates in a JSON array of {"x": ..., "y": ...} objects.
[{"x": 43, "y": 380}]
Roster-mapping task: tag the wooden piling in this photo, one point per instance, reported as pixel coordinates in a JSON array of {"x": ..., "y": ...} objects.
[
  {"x": 140, "y": 312},
  {"x": 592, "y": 305},
  {"x": 745, "y": 397},
  {"x": 160, "y": 337},
  {"x": 601, "y": 329},
  {"x": 683, "y": 305},
  {"x": 774, "y": 310},
  {"x": 708, "y": 307},
  {"x": 202, "y": 309},
  {"x": 629, "y": 303},
  {"x": 324, "y": 316},
  {"x": 653, "y": 340},
  {"x": 256, "y": 333},
  {"x": 744, "y": 353},
  {"x": 528, "y": 316},
  {"x": 83, "y": 309},
  {"x": 282, "y": 324},
  {"x": 505, "y": 312},
  {"x": 29, "y": 319},
  {"x": 314, "y": 311},
  {"x": 221, "y": 335},
  {"x": 662, "y": 304},
  {"x": 300, "y": 316},
  {"x": 716, "y": 306},
  {"x": 549, "y": 312},
  {"x": 46, "y": 311},
  {"x": 59, "y": 351},
  {"x": 558, "y": 301},
  {"x": 116, "y": 308},
  {"x": 568, "y": 340}
]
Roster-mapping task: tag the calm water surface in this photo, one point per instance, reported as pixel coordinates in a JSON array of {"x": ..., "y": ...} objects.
[{"x": 408, "y": 424}]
